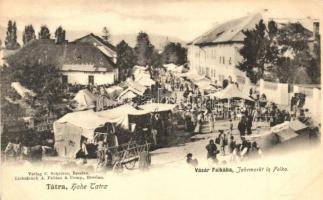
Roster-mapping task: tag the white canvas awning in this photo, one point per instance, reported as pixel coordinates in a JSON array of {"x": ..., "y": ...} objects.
[
  {"x": 127, "y": 94},
  {"x": 114, "y": 90},
  {"x": 146, "y": 81},
  {"x": 89, "y": 120},
  {"x": 85, "y": 99},
  {"x": 231, "y": 91},
  {"x": 69, "y": 129},
  {"x": 157, "y": 107}
]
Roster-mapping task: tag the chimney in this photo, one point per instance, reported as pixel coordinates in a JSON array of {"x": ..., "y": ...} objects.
[{"x": 316, "y": 30}]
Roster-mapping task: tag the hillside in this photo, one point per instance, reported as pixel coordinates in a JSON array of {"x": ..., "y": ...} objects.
[{"x": 159, "y": 41}]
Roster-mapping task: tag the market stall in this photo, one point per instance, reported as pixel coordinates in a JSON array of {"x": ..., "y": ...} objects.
[{"x": 69, "y": 129}]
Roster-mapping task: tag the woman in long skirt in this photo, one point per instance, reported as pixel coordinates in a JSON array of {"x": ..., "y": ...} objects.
[{"x": 198, "y": 123}]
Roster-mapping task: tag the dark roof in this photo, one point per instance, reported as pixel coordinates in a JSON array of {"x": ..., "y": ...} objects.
[
  {"x": 230, "y": 31},
  {"x": 47, "y": 52},
  {"x": 102, "y": 41}
]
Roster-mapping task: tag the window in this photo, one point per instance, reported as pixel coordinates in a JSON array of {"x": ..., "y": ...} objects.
[
  {"x": 91, "y": 80},
  {"x": 223, "y": 60},
  {"x": 65, "y": 79},
  {"x": 230, "y": 61}
]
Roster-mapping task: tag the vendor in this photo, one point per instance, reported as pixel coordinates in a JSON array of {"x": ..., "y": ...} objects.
[{"x": 111, "y": 139}]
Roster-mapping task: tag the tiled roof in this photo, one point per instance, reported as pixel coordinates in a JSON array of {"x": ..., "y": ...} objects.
[
  {"x": 230, "y": 31},
  {"x": 47, "y": 52},
  {"x": 109, "y": 49}
]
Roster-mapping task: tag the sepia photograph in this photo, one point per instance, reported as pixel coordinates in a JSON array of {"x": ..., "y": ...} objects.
[{"x": 170, "y": 99}]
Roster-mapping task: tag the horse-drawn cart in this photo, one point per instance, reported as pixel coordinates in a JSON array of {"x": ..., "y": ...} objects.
[{"x": 127, "y": 155}]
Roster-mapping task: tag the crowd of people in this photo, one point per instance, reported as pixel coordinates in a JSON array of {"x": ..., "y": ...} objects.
[
  {"x": 230, "y": 151},
  {"x": 195, "y": 108}
]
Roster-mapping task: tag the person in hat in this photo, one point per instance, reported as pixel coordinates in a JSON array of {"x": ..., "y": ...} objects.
[
  {"x": 231, "y": 126},
  {"x": 211, "y": 150},
  {"x": 223, "y": 141},
  {"x": 232, "y": 144},
  {"x": 190, "y": 160},
  {"x": 242, "y": 126}
]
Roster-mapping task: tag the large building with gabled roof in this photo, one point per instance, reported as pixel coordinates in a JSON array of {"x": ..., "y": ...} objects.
[
  {"x": 107, "y": 48},
  {"x": 80, "y": 62},
  {"x": 215, "y": 53}
]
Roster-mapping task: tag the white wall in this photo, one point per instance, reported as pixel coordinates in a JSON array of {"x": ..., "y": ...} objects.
[
  {"x": 275, "y": 92},
  {"x": 312, "y": 100},
  {"x": 216, "y": 61},
  {"x": 100, "y": 78}
]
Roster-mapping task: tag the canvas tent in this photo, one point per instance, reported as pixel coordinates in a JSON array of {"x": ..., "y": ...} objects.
[
  {"x": 157, "y": 107},
  {"x": 137, "y": 87},
  {"x": 134, "y": 89},
  {"x": 174, "y": 68},
  {"x": 142, "y": 76},
  {"x": 170, "y": 66},
  {"x": 128, "y": 94},
  {"x": 145, "y": 81},
  {"x": 230, "y": 92},
  {"x": 69, "y": 128},
  {"x": 288, "y": 130},
  {"x": 114, "y": 91},
  {"x": 85, "y": 99},
  {"x": 192, "y": 75},
  {"x": 204, "y": 84},
  {"x": 139, "y": 71}
]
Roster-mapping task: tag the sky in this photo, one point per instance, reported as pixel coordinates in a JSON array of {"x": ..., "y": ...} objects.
[{"x": 177, "y": 18}]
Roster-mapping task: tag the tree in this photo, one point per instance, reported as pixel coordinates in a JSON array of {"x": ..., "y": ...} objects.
[
  {"x": 143, "y": 49},
  {"x": 295, "y": 56},
  {"x": 314, "y": 70},
  {"x": 11, "y": 36},
  {"x": 271, "y": 55},
  {"x": 253, "y": 52},
  {"x": 28, "y": 34},
  {"x": 126, "y": 59},
  {"x": 156, "y": 62},
  {"x": 60, "y": 35},
  {"x": 106, "y": 34},
  {"x": 174, "y": 53},
  {"x": 44, "y": 80},
  {"x": 281, "y": 52},
  {"x": 44, "y": 33}
]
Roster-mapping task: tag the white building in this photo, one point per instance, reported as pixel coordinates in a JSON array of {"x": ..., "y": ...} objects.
[
  {"x": 87, "y": 74},
  {"x": 215, "y": 53},
  {"x": 104, "y": 46},
  {"x": 81, "y": 62}
]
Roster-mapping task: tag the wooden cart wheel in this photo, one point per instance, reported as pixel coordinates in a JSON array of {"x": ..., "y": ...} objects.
[
  {"x": 130, "y": 165},
  {"x": 117, "y": 167}
]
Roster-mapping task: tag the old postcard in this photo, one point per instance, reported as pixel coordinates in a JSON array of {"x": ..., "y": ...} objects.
[{"x": 149, "y": 100}]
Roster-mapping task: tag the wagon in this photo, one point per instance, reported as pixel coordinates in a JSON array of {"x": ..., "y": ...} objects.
[{"x": 127, "y": 155}]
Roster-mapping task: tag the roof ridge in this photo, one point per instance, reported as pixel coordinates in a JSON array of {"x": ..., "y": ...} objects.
[
  {"x": 235, "y": 25},
  {"x": 216, "y": 27},
  {"x": 250, "y": 18}
]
